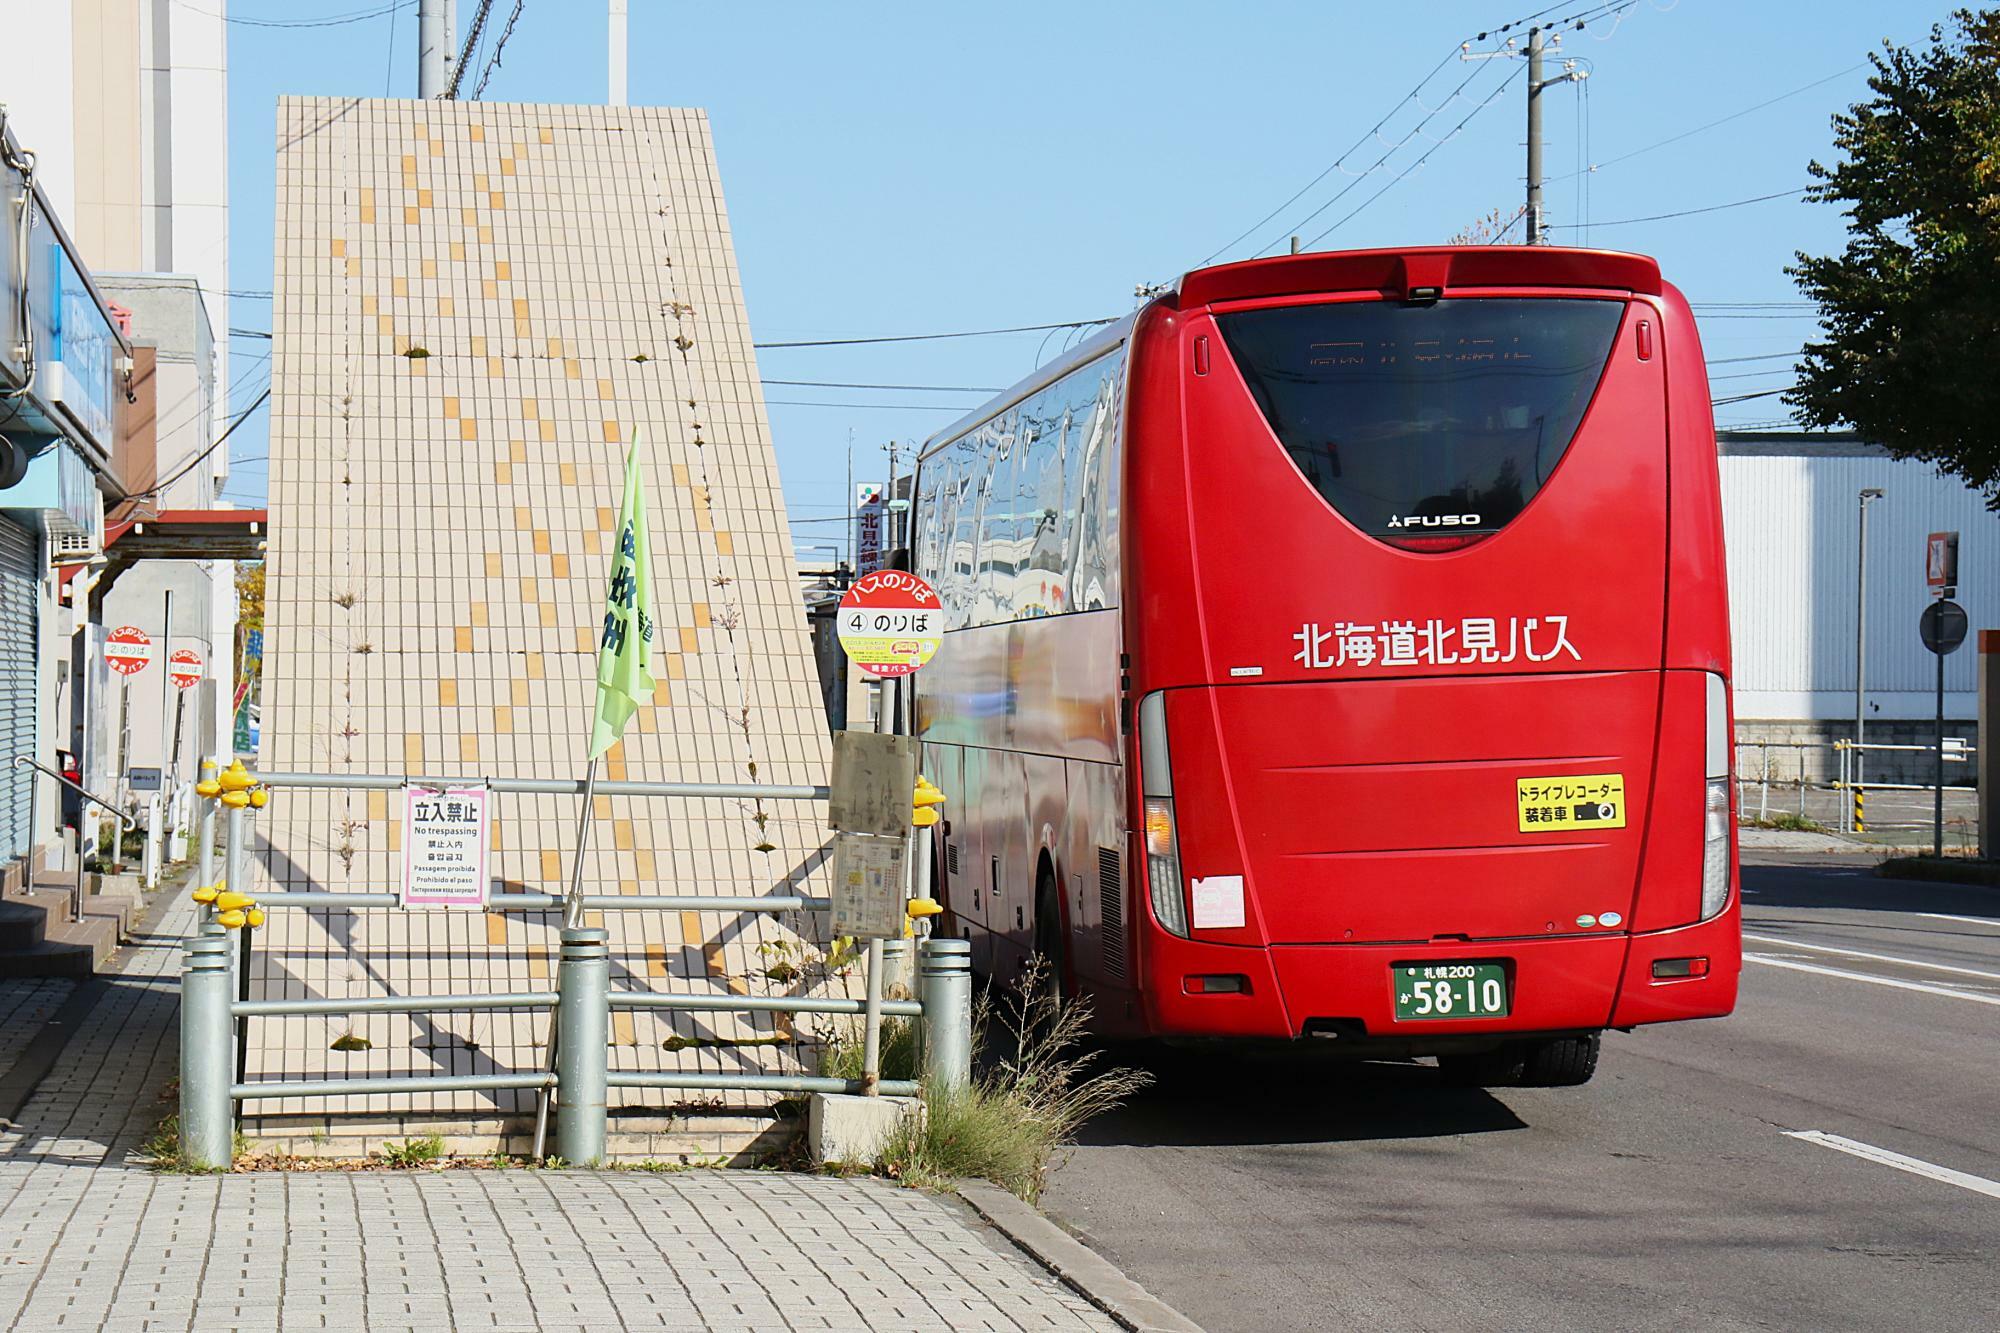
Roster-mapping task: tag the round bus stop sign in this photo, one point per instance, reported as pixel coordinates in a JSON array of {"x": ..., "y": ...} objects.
[
  {"x": 128, "y": 649},
  {"x": 184, "y": 667},
  {"x": 1943, "y": 627},
  {"x": 890, "y": 623}
]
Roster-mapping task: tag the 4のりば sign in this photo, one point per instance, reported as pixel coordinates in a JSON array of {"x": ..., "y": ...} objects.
[{"x": 890, "y": 623}]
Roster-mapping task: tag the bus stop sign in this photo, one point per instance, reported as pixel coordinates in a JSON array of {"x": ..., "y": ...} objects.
[
  {"x": 1942, "y": 626},
  {"x": 890, "y": 623}
]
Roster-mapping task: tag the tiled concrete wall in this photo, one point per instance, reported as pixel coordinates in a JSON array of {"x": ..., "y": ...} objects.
[{"x": 476, "y": 305}]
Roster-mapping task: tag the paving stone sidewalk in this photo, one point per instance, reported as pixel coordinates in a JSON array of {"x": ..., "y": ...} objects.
[{"x": 91, "y": 1239}]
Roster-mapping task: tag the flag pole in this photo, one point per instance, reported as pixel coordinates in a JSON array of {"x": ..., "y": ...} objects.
[{"x": 572, "y": 918}]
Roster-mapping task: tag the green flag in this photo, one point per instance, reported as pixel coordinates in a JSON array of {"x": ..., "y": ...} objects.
[{"x": 625, "y": 651}]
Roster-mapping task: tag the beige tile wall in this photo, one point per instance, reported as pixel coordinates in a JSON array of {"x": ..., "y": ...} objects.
[{"x": 476, "y": 303}]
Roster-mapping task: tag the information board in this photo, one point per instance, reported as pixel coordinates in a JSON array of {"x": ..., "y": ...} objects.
[{"x": 445, "y": 841}]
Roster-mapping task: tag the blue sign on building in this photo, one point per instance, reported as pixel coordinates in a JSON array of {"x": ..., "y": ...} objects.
[{"x": 83, "y": 364}]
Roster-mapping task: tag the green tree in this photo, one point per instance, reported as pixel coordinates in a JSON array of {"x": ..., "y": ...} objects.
[{"x": 1911, "y": 307}]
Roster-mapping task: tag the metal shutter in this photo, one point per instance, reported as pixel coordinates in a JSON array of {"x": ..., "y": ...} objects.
[{"x": 19, "y": 590}]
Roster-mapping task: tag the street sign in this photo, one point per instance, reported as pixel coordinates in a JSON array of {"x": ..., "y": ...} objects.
[
  {"x": 873, "y": 775},
  {"x": 890, "y": 623},
  {"x": 1942, "y": 626},
  {"x": 143, "y": 779},
  {"x": 128, "y": 649},
  {"x": 868, "y": 512},
  {"x": 1941, "y": 564},
  {"x": 184, "y": 666},
  {"x": 444, "y": 846}
]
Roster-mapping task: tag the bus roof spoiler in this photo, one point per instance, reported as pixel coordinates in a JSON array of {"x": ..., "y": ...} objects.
[{"x": 1398, "y": 274}]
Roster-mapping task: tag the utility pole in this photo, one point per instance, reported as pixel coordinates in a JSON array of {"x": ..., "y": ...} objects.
[
  {"x": 437, "y": 43},
  {"x": 617, "y": 53},
  {"x": 1539, "y": 46}
]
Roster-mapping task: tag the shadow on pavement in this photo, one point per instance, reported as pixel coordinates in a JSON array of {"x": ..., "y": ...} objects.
[
  {"x": 1291, "y": 1095},
  {"x": 1851, "y": 885}
]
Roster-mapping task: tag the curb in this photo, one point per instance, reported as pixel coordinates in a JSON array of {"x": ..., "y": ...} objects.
[
  {"x": 1931, "y": 870},
  {"x": 1080, "y": 1268}
]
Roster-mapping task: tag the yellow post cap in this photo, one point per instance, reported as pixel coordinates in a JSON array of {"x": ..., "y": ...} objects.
[
  {"x": 921, "y": 907},
  {"x": 208, "y": 787},
  {"x": 206, "y": 893},
  {"x": 928, "y": 793},
  {"x": 231, "y": 920},
  {"x": 236, "y": 800},
  {"x": 237, "y": 778},
  {"x": 255, "y": 916},
  {"x": 259, "y": 798},
  {"x": 924, "y": 817},
  {"x": 230, "y": 900}
]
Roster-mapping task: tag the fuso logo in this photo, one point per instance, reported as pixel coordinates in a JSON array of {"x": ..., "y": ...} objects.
[{"x": 1435, "y": 521}]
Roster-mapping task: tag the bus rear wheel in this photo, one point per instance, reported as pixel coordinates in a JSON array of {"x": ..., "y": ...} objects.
[
  {"x": 1049, "y": 936},
  {"x": 1485, "y": 1069},
  {"x": 1564, "y": 1062}
]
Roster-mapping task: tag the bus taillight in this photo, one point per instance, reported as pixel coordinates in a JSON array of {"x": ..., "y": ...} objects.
[
  {"x": 1163, "y": 852},
  {"x": 1715, "y": 807}
]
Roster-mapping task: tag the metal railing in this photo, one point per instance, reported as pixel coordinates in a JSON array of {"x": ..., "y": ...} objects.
[
  {"x": 212, "y": 1008},
  {"x": 1823, "y": 781},
  {"x": 125, "y": 825}
]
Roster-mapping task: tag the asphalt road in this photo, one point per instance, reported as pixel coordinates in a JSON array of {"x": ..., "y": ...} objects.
[{"x": 1283, "y": 1192}]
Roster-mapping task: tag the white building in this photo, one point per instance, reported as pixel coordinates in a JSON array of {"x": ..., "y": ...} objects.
[{"x": 1791, "y": 514}]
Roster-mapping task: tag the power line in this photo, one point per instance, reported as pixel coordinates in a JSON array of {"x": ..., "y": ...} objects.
[
  {"x": 159, "y": 487},
  {"x": 1746, "y": 397},
  {"x": 471, "y": 49},
  {"x": 890, "y": 407},
  {"x": 932, "y": 337},
  {"x": 324, "y": 21},
  {"x": 1690, "y": 212},
  {"x": 914, "y": 388},
  {"x": 493, "y": 61},
  {"x": 1768, "y": 356}
]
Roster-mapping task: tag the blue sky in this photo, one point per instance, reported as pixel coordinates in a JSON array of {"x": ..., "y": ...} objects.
[{"x": 907, "y": 168}]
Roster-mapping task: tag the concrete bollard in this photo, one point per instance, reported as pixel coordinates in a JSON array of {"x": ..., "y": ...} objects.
[
  {"x": 944, "y": 981},
  {"x": 208, "y": 1129},
  {"x": 583, "y": 984}
]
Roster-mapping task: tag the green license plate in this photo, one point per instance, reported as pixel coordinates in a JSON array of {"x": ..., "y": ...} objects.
[{"x": 1450, "y": 990}]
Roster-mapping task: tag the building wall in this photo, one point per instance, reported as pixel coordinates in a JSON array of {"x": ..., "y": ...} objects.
[{"x": 477, "y": 305}]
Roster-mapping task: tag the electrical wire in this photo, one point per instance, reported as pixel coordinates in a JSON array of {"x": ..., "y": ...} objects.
[
  {"x": 1690, "y": 212},
  {"x": 470, "y": 49},
  {"x": 493, "y": 61},
  {"x": 324, "y": 21},
  {"x": 913, "y": 388},
  {"x": 1746, "y": 397},
  {"x": 933, "y": 337},
  {"x": 889, "y": 407},
  {"x": 192, "y": 463}
]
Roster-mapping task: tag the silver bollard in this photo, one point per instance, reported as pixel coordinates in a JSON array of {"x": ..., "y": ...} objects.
[
  {"x": 208, "y": 1051},
  {"x": 944, "y": 980},
  {"x": 583, "y": 984}
]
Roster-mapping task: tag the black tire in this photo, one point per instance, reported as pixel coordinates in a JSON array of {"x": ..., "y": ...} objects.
[
  {"x": 1487, "y": 1069},
  {"x": 1049, "y": 935},
  {"x": 1564, "y": 1062}
]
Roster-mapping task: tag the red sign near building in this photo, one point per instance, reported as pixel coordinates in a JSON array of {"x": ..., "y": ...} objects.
[
  {"x": 128, "y": 649},
  {"x": 890, "y": 623},
  {"x": 1941, "y": 563},
  {"x": 184, "y": 665}
]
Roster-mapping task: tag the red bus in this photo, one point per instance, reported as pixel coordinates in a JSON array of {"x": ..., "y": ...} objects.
[{"x": 1338, "y": 647}]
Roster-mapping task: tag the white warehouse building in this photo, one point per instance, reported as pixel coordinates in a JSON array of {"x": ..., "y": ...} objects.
[{"x": 1791, "y": 517}]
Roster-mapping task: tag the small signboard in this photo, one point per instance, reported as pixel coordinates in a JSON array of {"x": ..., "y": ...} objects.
[
  {"x": 128, "y": 649},
  {"x": 445, "y": 846},
  {"x": 868, "y": 886},
  {"x": 868, "y": 514},
  {"x": 184, "y": 668},
  {"x": 1941, "y": 563},
  {"x": 890, "y": 623},
  {"x": 874, "y": 777},
  {"x": 142, "y": 779}
]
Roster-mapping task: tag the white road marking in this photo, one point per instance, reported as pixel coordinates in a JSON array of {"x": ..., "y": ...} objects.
[
  {"x": 1915, "y": 1166},
  {"x": 1968, "y": 920},
  {"x": 1872, "y": 957},
  {"x": 1945, "y": 991}
]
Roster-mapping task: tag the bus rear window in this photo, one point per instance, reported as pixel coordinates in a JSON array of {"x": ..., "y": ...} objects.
[{"x": 1425, "y": 425}]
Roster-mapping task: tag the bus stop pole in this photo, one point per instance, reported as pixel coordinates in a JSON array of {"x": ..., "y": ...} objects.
[{"x": 1937, "y": 805}]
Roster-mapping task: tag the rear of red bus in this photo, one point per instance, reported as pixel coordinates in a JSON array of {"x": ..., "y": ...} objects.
[{"x": 1430, "y": 658}]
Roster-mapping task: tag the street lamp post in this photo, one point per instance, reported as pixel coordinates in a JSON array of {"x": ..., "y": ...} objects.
[{"x": 1861, "y": 642}]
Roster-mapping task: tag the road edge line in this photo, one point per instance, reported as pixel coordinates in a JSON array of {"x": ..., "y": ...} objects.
[
  {"x": 1895, "y": 983},
  {"x": 1916, "y": 1166},
  {"x": 1080, "y": 1268}
]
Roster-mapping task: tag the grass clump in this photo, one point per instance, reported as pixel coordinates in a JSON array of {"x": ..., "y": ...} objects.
[
  {"x": 841, "y": 1057},
  {"x": 413, "y": 1153},
  {"x": 161, "y": 1151},
  {"x": 1037, "y": 1088},
  {"x": 1787, "y": 821}
]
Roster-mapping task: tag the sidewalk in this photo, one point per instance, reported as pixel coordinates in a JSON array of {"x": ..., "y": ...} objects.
[{"x": 91, "y": 1240}]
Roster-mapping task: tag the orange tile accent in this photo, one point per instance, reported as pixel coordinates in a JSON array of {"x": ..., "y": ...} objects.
[
  {"x": 690, "y": 926},
  {"x": 611, "y": 432},
  {"x": 656, "y": 960},
  {"x": 437, "y": 148},
  {"x": 680, "y": 474},
  {"x": 551, "y": 866},
  {"x": 413, "y": 751},
  {"x": 495, "y": 369},
  {"x": 689, "y": 643},
  {"x": 409, "y": 169},
  {"x": 724, "y": 543},
  {"x": 421, "y": 369},
  {"x": 467, "y": 218},
  {"x": 478, "y": 133},
  {"x": 468, "y": 747},
  {"x": 378, "y": 805},
  {"x": 503, "y": 719},
  {"x": 541, "y": 541},
  {"x": 430, "y": 268},
  {"x": 367, "y": 305},
  {"x": 337, "y": 248},
  {"x": 663, "y": 695},
  {"x": 621, "y": 834},
  {"x": 559, "y": 566},
  {"x": 493, "y": 561},
  {"x": 548, "y": 615},
  {"x": 702, "y": 619},
  {"x": 503, "y": 475},
  {"x": 478, "y": 345},
  {"x": 446, "y": 306},
  {"x": 573, "y": 369},
  {"x": 586, "y": 642},
  {"x": 517, "y": 452},
  {"x": 567, "y": 471},
  {"x": 675, "y": 671},
  {"x": 478, "y": 610},
  {"x": 489, "y": 289},
  {"x": 506, "y": 166},
  {"x": 605, "y": 519},
  {"x": 485, "y": 233},
  {"x": 479, "y": 180},
  {"x": 548, "y": 135},
  {"x": 461, "y": 638},
  {"x": 538, "y": 964},
  {"x": 534, "y": 663},
  {"x": 518, "y": 691},
  {"x": 411, "y": 215},
  {"x": 591, "y": 544},
  {"x": 424, "y": 201},
  {"x": 520, "y": 307},
  {"x": 447, "y": 693},
  {"x": 548, "y": 431},
  {"x": 468, "y": 429},
  {"x": 528, "y": 591},
  {"x": 354, "y": 268},
  {"x": 502, "y": 270},
  {"x": 644, "y": 863},
  {"x": 399, "y": 286},
  {"x": 623, "y": 1032},
  {"x": 524, "y": 517},
  {"x": 367, "y": 204},
  {"x": 385, "y": 326},
  {"x": 531, "y": 409},
  {"x": 604, "y": 389},
  {"x": 451, "y": 407},
  {"x": 600, "y": 807},
  {"x": 614, "y": 763},
  {"x": 555, "y": 347},
  {"x": 498, "y": 200},
  {"x": 458, "y": 250},
  {"x": 496, "y": 928}
]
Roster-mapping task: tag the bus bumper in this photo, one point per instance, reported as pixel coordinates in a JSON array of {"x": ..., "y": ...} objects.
[{"x": 1578, "y": 983}]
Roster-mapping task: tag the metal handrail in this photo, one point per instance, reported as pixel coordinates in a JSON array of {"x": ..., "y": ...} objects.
[
  {"x": 546, "y": 786},
  {"x": 126, "y": 822},
  {"x": 548, "y": 902}
]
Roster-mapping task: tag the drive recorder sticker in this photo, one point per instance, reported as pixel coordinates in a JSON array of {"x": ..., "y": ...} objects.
[{"x": 1555, "y": 805}]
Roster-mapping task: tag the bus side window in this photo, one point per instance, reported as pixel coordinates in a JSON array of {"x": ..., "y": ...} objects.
[
  {"x": 1041, "y": 492},
  {"x": 1094, "y": 579}
]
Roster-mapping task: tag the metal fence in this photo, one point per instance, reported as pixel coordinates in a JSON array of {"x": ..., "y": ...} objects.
[
  {"x": 1817, "y": 781},
  {"x": 214, "y": 1007}
]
